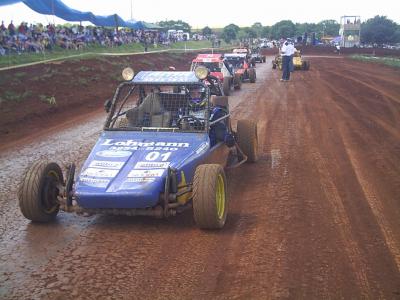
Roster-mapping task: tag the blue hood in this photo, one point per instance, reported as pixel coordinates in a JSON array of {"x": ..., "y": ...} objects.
[{"x": 128, "y": 169}]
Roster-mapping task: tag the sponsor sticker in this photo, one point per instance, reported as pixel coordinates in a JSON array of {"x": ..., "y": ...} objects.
[
  {"x": 106, "y": 164},
  {"x": 146, "y": 173},
  {"x": 151, "y": 165},
  {"x": 132, "y": 183},
  {"x": 113, "y": 153},
  {"x": 94, "y": 172},
  {"x": 141, "y": 144},
  {"x": 95, "y": 182},
  {"x": 139, "y": 180}
]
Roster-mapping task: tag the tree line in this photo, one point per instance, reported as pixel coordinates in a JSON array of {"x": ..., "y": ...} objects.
[{"x": 377, "y": 30}]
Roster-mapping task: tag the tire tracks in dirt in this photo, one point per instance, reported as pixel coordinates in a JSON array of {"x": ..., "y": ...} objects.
[
  {"x": 376, "y": 206},
  {"x": 388, "y": 124},
  {"x": 303, "y": 147},
  {"x": 365, "y": 181},
  {"x": 374, "y": 203},
  {"x": 316, "y": 217}
]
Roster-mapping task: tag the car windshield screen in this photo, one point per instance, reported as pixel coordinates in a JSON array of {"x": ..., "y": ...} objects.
[
  {"x": 235, "y": 61},
  {"x": 161, "y": 107}
]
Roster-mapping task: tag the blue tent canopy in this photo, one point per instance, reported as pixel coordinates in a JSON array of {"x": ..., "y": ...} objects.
[
  {"x": 141, "y": 25},
  {"x": 59, "y": 9}
]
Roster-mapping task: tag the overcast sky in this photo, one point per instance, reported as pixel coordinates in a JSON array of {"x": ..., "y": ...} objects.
[{"x": 217, "y": 13}]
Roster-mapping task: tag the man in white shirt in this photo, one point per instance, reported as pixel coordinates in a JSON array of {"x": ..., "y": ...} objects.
[
  {"x": 287, "y": 52},
  {"x": 338, "y": 48}
]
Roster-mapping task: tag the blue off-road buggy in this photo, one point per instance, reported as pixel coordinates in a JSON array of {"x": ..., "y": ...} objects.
[{"x": 165, "y": 144}]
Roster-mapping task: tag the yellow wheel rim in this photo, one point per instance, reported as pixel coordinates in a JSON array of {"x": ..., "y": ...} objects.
[{"x": 220, "y": 196}]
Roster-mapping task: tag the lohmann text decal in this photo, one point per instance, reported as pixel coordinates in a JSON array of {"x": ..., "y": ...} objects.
[{"x": 132, "y": 145}]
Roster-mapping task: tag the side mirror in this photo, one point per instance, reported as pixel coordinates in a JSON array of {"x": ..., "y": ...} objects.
[{"x": 107, "y": 105}]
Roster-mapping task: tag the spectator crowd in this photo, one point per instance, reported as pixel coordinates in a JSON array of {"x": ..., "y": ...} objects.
[{"x": 38, "y": 38}]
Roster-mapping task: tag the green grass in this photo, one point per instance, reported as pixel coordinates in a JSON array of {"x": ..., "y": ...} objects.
[
  {"x": 50, "y": 100},
  {"x": 48, "y": 73},
  {"x": 191, "y": 45},
  {"x": 196, "y": 45},
  {"x": 60, "y": 53},
  {"x": 389, "y": 61},
  {"x": 43, "y": 77},
  {"x": 11, "y": 96},
  {"x": 93, "y": 51},
  {"x": 16, "y": 97},
  {"x": 20, "y": 74},
  {"x": 83, "y": 69},
  {"x": 4, "y": 78},
  {"x": 115, "y": 76},
  {"x": 95, "y": 78},
  {"x": 82, "y": 81},
  {"x": 15, "y": 59}
]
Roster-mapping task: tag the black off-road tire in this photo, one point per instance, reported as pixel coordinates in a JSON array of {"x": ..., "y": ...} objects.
[
  {"x": 205, "y": 187},
  {"x": 264, "y": 59},
  {"x": 38, "y": 191},
  {"x": 252, "y": 75},
  {"x": 237, "y": 82},
  {"x": 248, "y": 139},
  {"x": 273, "y": 65},
  {"x": 226, "y": 86},
  {"x": 307, "y": 65}
]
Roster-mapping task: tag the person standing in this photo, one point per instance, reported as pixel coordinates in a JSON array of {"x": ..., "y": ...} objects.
[
  {"x": 338, "y": 49},
  {"x": 286, "y": 52},
  {"x": 2, "y": 27},
  {"x": 11, "y": 29}
]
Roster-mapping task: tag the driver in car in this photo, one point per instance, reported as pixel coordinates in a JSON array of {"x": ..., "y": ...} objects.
[
  {"x": 197, "y": 99},
  {"x": 192, "y": 116}
]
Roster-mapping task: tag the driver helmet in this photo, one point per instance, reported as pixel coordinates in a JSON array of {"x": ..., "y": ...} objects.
[{"x": 198, "y": 97}]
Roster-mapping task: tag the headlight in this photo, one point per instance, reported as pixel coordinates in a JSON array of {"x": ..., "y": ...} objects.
[
  {"x": 128, "y": 74},
  {"x": 201, "y": 72}
]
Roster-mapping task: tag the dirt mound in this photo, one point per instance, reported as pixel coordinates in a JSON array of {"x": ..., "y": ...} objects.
[{"x": 41, "y": 96}]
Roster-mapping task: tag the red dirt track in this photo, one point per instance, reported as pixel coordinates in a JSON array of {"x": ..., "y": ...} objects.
[
  {"x": 318, "y": 216},
  {"x": 80, "y": 86}
]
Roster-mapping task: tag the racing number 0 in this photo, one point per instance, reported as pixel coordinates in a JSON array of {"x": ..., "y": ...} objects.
[{"x": 155, "y": 155}]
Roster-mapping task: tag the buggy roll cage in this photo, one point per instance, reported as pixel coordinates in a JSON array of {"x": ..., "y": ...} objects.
[{"x": 113, "y": 115}]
